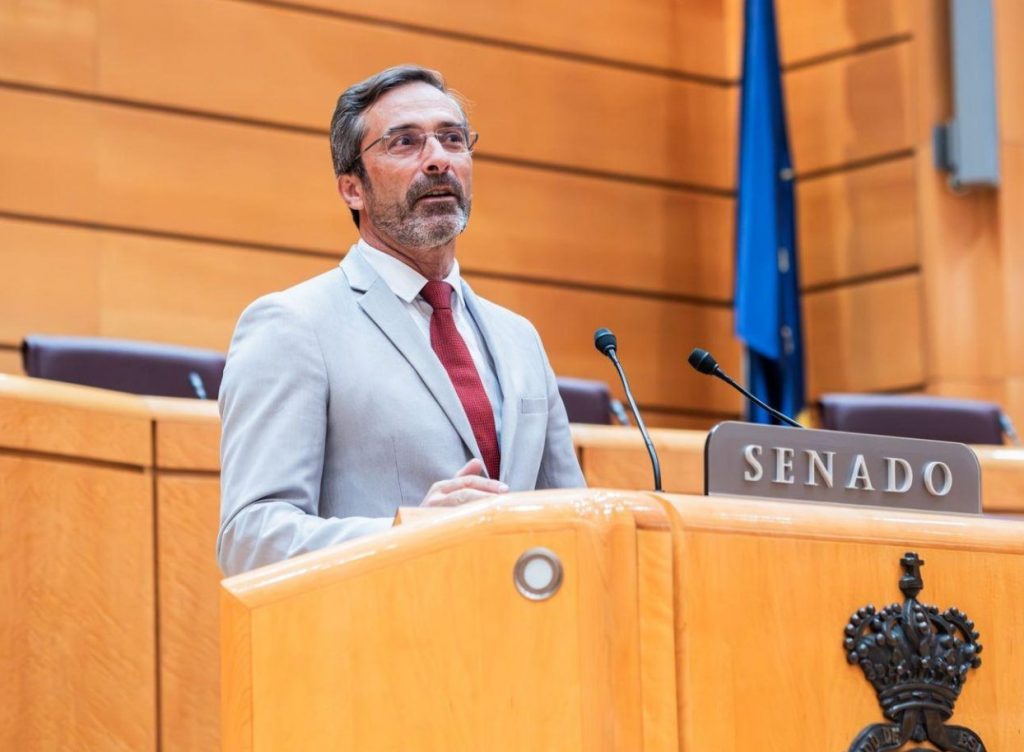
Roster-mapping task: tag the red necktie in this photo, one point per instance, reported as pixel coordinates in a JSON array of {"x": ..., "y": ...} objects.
[{"x": 451, "y": 350}]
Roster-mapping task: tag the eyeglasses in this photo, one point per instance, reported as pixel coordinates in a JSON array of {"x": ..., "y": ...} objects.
[{"x": 409, "y": 142}]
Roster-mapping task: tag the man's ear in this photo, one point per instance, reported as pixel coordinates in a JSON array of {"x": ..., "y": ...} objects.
[{"x": 350, "y": 188}]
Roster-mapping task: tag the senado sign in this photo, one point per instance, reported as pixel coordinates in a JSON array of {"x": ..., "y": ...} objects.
[{"x": 745, "y": 459}]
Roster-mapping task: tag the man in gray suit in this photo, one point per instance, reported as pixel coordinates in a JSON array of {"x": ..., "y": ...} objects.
[{"x": 386, "y": 381}]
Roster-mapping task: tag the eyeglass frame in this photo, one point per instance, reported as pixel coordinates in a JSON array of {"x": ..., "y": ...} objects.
[{"x": 471, "y": 138}]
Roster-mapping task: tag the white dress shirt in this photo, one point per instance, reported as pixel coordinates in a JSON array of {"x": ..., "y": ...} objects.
[{"x": 406, "y": 283}]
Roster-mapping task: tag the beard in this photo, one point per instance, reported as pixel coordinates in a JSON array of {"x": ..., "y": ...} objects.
[{"x": 421, "y": 225}]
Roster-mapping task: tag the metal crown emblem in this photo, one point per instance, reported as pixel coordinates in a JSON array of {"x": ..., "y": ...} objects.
[{"x": 918, "y": 661}]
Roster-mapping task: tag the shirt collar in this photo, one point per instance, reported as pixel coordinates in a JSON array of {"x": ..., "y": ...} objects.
[{"x": 402, "y": 279}]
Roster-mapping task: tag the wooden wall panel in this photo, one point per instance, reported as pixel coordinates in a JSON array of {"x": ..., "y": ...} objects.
[
  {"x": 280, "y": 65},
  {"x": 824, "y": 27},
  {"x": 655, "y": 337},
  {"x": 599, "y": 232},
  {"x": 857, "y": 222},
  {"x": 1011, "y": 227},
  {"x": 77, "y": 625},
  {"x": 10, "y": 362},
  {"x": 52, "y": 42},
  {"x": 50, "y": 283},
  {"x": 1009, "y": 43},
  {"x": 104, "y": 163},
  {"x": 963, "y": 279},
  {"x": 137, "y": 287},
  {"x": 692, "y": 422},
  {"x": 189, "y": 586},
  {"x": 115, "y": 165},
  {"x": 864, "y": 338},
  {"x": 853, "y": 108},
  {"x": 698, "y": 36}
]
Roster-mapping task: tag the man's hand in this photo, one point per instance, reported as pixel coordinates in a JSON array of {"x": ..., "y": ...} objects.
[{"x": 467, "y": 485}]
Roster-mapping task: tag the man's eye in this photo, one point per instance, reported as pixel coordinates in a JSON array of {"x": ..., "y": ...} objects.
[
  {"x": 403, "y": 139},
  {"x": 455, "y": 138}
]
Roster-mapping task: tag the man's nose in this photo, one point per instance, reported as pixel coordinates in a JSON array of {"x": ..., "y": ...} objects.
[{"x": 435, "y": 158}]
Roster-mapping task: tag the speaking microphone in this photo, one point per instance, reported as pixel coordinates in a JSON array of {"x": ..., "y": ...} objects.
[
  {"x": 607, "y": 345},
  {"x": 705, "y": 363}
]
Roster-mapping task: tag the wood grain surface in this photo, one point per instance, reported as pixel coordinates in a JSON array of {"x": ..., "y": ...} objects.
[
  {"x": 729, "y": 558},
  {"x": 852, "y": 108},
  {"x": 188, "y": 512},
  {"x": 246, "y": 59},
  {"x": 828, "y": 27},
  {"x": 857, "y": 223},
  {"x": 698, "y": 37},
  {"x": 42, "y": 416},
  {"x": 78, "y": 618},
  {"x": 865, "y": 337}
]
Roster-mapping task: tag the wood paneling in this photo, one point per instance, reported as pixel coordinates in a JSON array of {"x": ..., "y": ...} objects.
[
  {"x": 730, "y": 552},
  {"x": 187, "y": 433},
  {"x": 114, "y": 165},
  {"x": 137, "y": 287},
  {"x": 10, "y": 362},
  {"x": 655, "y": 337},
  {"x": 866, "y": 337},
  {"x": 1002, "y": 479},
  {"x": 77, "y": 622},
  {"x": 188, "y": 513},
  {"x": 51, "y": 282},
  {"x": 51, "y": 42},
  {"x": 1011, "y": 230},
  {"x": 857, "y": 222},
  {"x": 248, "y": 59},
  {"x": 615, "y": 457},
  {"x": 809, "y": 30},
  {"x": 105, "y": 163},
  {"x": 1008, "y": 28},
  {"x": 599, "y": 232},
  {"x": 698, "y": 36},
  {"x": 850, "y": 109},
  {"x": 663, "y": 419},
  {"x": 963, "y": 279},
  {"x": 43, "y": 416}
]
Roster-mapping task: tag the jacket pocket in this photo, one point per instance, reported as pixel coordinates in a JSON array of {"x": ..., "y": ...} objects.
[{"x": 533, "y": 405}]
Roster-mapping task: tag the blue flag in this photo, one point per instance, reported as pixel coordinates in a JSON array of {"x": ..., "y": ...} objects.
[{"x": 767, "y": 284}]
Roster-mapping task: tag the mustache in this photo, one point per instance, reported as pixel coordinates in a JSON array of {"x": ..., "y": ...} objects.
[{"x": 425, "y": 185}]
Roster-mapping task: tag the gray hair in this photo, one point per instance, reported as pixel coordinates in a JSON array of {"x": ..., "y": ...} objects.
[{"x": 347, "y": 127}]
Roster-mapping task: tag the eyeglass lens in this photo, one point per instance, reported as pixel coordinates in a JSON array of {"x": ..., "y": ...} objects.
[{"x": 410, "y": 141}]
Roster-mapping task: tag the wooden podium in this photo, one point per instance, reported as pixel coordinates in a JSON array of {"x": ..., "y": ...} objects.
[{"x": 681, "y": 623}]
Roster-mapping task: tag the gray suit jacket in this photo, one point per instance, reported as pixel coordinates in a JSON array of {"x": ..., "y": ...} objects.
[{"x": 335, "y": 411}]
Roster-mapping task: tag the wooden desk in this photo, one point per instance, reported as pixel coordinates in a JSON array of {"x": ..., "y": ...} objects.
[
  {"x": 681, "y": 622},
  {"x": 108, "y": 577},
  {"x": 187, "y": 502},
  {"x": 615, "y": 457},
  {"x": 77, "y": 610}
]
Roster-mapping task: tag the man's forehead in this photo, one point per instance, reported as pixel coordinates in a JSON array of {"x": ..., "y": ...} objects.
[{"x": 416, "y": 103}]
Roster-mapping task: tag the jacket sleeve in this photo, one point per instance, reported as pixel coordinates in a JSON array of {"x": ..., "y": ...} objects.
[{"x": 273, "y": 405}]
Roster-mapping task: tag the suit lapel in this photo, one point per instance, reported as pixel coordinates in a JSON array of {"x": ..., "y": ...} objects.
[
  {"x": 501, "y": 358},
  {"x": 387, "y": 312}
]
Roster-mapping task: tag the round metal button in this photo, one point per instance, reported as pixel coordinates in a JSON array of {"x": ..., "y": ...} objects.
[{"x": 538, "y": 574}]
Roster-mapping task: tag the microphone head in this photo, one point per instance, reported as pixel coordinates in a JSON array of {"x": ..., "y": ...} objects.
[
  {"x": 703, "y": 361},
  {"x": 604, "y": 341}
]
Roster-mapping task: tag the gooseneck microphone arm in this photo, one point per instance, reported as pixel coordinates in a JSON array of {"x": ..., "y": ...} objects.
[
  {"x": 703, "y": 362},
  {"x": 607, "y": 345}
]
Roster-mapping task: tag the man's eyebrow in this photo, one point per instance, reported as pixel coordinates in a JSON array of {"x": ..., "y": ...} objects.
[{"x": 418, "y": 127}]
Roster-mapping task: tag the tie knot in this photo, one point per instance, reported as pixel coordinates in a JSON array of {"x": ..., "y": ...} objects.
[{"x": 438, "y": 294}]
